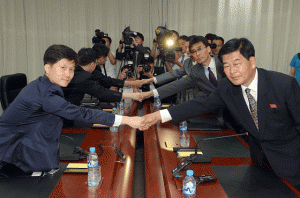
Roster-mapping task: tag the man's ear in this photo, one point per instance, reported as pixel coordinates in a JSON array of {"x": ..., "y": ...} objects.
[
  {"x": 47, "y": 68},
  {"x": 208, "y": 49},
  {"x": 252, "y": 60}
]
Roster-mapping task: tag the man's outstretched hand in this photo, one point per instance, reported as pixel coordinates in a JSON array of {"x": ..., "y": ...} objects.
[{"x": 149, "y": 120}]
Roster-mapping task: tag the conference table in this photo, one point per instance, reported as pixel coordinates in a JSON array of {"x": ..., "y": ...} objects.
[
  {"x": 160, "y": 159},
  {"x": 117, "y": 177},
  {"x": 233, "y": 166}
]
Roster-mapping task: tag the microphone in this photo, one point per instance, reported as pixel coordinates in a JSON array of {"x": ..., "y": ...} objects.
[{"x": 201, "y": 158}]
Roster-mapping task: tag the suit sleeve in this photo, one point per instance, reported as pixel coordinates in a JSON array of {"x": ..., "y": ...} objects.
[
  {"x": 93, "y": 88},
  {"x": 175, "y": 87},
  {"x": 54, "y": 103},
  {"x": 106, "y": 81},
  {"x": 170, "y": 76},
  {"x": 293, "y": 102},
  {"x": 192, "y": 108}
]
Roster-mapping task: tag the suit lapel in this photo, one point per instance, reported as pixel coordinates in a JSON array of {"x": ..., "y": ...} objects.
[
  {"x": 219, "y": 68},
  {"x": 242, "y": 109}
]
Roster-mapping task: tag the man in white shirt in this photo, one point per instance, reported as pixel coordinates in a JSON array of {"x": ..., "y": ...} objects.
[
  {"x": 264, "y": 103},
  {"x": 181, "y": 56},
  {"x": 110, "y": 63}
]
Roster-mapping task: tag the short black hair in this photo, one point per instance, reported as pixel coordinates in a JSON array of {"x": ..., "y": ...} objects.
[
  {"x": 243, "y": 45},
  {"x": 210, "y": 36},
  {"x": 87, "y": 56},
  {"x": 140, "y": 35},
  {"x": 102, "y": 50},
  {"x": 184, "y": 37},
  {"x": 219, "y": 38},
  {"x": 108, "y": 38},
  {"x": 55, "y": 53},
  {"x": 197, "y": 39}
]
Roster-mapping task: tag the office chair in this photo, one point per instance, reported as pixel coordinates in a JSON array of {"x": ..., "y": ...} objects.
[{"x": 10, "y": 87}]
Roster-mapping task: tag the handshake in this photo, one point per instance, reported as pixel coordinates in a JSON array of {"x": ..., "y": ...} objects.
[
  {"x": 142, "y": 123},
  {"x": 139, "y": 96}
]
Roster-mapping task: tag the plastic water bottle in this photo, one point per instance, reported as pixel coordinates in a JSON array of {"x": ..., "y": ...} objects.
[
  {"x": 121, "y": 108},
  {"x": 93, "y": 175},
  {"x": 114, "y": 128},
  {"x": 189, "y": 185},
  {"x": 184, "y": 139},
  {"x": 157, "y": 103}
]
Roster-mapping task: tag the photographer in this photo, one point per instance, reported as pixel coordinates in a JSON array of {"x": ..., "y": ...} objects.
[
  {"x": 127, "y": 74},
  {"x": 181, "y": 56},
  {"x": 138, "y": 51},
  {"x": 166, "y": 41},
  {"x": 110, "y": 63}
]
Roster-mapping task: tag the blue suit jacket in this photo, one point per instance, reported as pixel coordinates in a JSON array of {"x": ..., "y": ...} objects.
[
  {"x": 278, "y": 106},
  {"x": 30, "y": 127}
]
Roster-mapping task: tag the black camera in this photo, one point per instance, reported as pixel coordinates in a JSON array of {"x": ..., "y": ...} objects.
[
  {"x": 146, "y": 64},
  {"x": 167, "y": 43},
  {"x": 98, "y": 38},
  {"x": 127, "y": 35},
  {"x": 129, "y": 74},
  {"x": 212, "y": 45}
]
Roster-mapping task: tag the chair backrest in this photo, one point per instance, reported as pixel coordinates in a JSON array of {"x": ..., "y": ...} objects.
[{"x": 10, "y": 86}]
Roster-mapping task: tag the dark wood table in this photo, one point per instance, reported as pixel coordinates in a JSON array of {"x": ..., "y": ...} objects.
[
  {"x": 117, "y": 177},
  {"x": 160, "y": 160}
]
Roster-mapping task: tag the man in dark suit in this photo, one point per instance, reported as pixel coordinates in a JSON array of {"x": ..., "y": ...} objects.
[
  {"x": 265, "y": 103},
  {"x": 30, "y": 127},
  {"x": 198, "y": 76},
  {"x": 138, "y": 51},
  {"x": 89, "y": 80}
]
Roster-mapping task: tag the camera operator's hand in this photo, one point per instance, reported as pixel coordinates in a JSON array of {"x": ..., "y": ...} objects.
[
  {"x": 147, "y": 94},
  {"x": 155, "y": 41},
  {"x": 177, "y": 56},
  {"x": 121, "y": 45},
  {"x": 149, "y": 74}
]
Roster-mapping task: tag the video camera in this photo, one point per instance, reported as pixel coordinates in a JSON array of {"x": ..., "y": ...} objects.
[
  {"x": 167, "y": 43},
  {"x": 98, "y": 38},
  {"x": 129, "y": 48},
  {"x": 127, "y": 35}
]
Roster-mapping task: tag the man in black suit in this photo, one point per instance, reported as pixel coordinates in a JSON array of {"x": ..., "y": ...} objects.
[
  {"x": 264, "y": 103},
  {"x": 88, "y": 79}
]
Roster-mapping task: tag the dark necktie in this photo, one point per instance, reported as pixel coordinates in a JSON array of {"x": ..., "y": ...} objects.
[
  {"x": 253, "y": 106},
  {"x": 182, "y": 58},
  {"x": 212, "y": 78}
]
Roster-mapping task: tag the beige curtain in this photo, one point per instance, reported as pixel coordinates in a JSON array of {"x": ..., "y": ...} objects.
[{"x": 28, "y": 27}]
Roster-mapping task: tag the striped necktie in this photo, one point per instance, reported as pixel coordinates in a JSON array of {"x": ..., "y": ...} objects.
[
  {"x": 253, "y": 106},
  {"x": 182, "y": 58}
]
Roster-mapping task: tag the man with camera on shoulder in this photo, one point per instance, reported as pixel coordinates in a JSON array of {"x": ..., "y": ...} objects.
[{"x": 133, "y": 50}]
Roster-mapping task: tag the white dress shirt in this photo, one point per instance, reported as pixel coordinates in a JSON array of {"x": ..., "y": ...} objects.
[
  {"x": 253, "y": 90},
  {"x": 110, "y": 68},
  {"x": 213, "y": 68}
]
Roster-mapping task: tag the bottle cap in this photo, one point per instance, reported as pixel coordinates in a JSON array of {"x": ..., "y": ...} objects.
[
  {"x": 114, "y": 108},
  {"x": 92, "y": 149},
  {"x": 189, "y": 172}
]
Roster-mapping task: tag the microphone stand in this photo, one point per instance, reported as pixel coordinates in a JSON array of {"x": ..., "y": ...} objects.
[{"x": 201, "y": 158}]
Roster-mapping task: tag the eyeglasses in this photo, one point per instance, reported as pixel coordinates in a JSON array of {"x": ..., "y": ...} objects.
[{"x": 197, "y": 50}]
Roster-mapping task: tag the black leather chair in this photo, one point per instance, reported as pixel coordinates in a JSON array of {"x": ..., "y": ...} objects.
[{"x": 10, "y": 86}]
